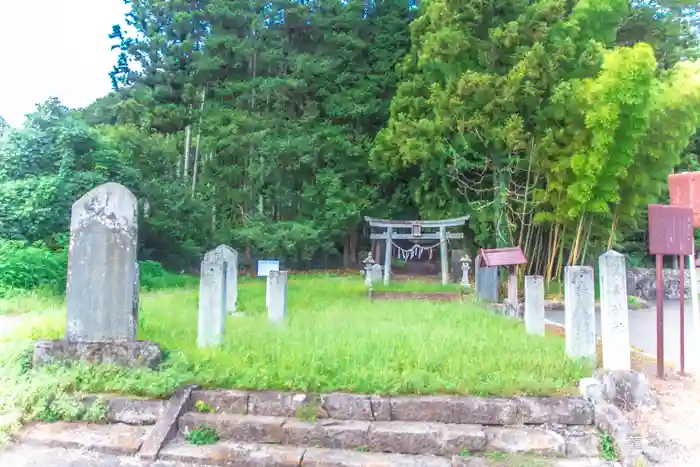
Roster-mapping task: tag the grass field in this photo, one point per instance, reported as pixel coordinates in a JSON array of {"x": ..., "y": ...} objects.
[{"x": 334, "y": 339}]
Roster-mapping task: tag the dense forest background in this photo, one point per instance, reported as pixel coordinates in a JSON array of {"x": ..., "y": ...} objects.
[{"x": 274, "y": 126}]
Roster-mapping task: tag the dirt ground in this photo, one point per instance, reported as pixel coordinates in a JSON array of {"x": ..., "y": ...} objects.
[{"x": 435, "y": 296}]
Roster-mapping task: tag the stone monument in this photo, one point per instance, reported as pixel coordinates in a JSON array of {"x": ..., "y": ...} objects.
[
  {"x": 225, "y": 254},
  {"x": 614, "y": 317},
  {"x": 534, "y": 305},
  {"x": 102, "y": 285},
  {"x": 579, "y": 312},
  {"x": 212, "y": 302},
  {"x": 277, "y": 287}
]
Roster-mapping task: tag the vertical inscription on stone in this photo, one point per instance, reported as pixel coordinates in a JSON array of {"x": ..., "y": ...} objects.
[
  {"x": 101, "y": 290},
  {"x": 579, "y": 304},
  {"x": 534, "y": 305},
  {"x": 614, "y": 315}
]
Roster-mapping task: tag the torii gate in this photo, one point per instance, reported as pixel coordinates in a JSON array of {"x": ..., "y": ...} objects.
[{"x": 415, "y": 228}]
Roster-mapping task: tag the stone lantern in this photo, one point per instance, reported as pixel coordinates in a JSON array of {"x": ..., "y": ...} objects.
[
  {"x": 466, "y": 262},
  {"x": 368, "y": 262}
]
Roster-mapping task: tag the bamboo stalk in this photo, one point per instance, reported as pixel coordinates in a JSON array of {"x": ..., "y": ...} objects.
[
  {"x": 573, "y": 257},
  {"x": 552, "y": 246},
  {"x": 585, "y": 242},
  {"x": 560, "y": 258},
  {"x": 612, "y": 230}
]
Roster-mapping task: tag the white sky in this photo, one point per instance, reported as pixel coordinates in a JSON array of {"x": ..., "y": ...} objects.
[{"x": 55, "y": 48}]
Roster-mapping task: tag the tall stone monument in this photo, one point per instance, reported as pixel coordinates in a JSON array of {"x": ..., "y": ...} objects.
[
  {"x": 277, "y": 287},
  {"x": 212, "y": 303},
  {"x": 614, "y": 316},
  {"x": 102, "y": 285},
  {"x": 534, "y": 305},
  {"x": 579, "y": 312},
  {"x": 225, "y": 254}
]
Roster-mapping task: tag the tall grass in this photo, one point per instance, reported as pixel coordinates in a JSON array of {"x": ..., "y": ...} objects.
[{"x": 333, "y": 339}]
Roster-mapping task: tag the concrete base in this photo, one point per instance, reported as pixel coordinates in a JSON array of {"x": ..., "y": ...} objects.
[{"x": 129, "y": 354}]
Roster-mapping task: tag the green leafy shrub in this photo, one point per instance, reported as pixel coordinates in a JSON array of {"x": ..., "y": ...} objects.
[
  {"x": 30, "y": 267},
  {"x": 154, "y": 277}
]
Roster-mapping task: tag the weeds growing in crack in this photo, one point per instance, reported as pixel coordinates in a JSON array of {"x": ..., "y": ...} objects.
[
  {"x": 202, "y": 435},
  {"x": 607, "y": 447}
]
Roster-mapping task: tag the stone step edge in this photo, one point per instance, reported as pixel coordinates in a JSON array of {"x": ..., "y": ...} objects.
[
  {"x": 415, "y": 438},
  {"x": 226, "y": 453},
  {"x": 128, "y": 410},
  {"x": 522, "y": 410},
  {"x": 118, "y": 439}
]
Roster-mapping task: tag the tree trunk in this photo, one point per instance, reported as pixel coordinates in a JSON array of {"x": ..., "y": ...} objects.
[
  {"x": 196, "y": 145},
  {"x": 186, "y": 157}
]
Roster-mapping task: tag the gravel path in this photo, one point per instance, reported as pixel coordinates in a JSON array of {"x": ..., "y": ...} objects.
[
  {"x": 9, "y": 322},
  {"x": 672, "y": 429}
]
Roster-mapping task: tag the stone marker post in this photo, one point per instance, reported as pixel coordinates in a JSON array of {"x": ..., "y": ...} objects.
[
  {"x": 579, "y": 311},
  {"x": 212, "y": 303},
  {"x": 102, "y": 285},
  {"x": 614, "y": 317},
  {"x": 224, "y": 253},
  {"x": 277, "y": 287},
  {"x": 513, "y": 286},
  {"x": 534, "y": 305}
]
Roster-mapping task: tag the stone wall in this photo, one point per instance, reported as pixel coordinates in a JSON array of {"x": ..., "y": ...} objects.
[{"x": 641, "y": 282}]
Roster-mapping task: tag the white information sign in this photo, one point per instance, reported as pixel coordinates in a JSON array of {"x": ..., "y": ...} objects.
[{"x": 267, "y": 265}]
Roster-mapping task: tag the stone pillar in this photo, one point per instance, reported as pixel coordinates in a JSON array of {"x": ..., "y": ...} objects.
[
  {"x": 277, "y": 287},
  {"x": 212, "y": 304},
  {"x": 101, "y": 290},
  {"x": 444, "y": 267},
  {"x": 224, "y": 253},
  {"x": 579, "y": 311},
  {"x": 614, "y": 315},
  {"x": 534, "y": 305},
  {"x": 695, "y": 303},
  {"x": 513, "y": 286},
  {"x": 387, "y": 256}
]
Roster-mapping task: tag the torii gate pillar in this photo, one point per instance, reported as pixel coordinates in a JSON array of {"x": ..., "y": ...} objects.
[{"x": 387, "y": 256}]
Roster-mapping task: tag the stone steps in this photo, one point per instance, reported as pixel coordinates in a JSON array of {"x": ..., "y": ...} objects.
[
  {"x": 77, "y": 439},
  {"x": 228, "y": 453},
  {"x": 396, "y": 437}
]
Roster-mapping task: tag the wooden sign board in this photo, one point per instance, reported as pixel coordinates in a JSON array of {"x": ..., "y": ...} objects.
[
  {"x": 670, "y": 230},
  {"x": 416, "y": 229},
  {"x": 684, "y": 190}
]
